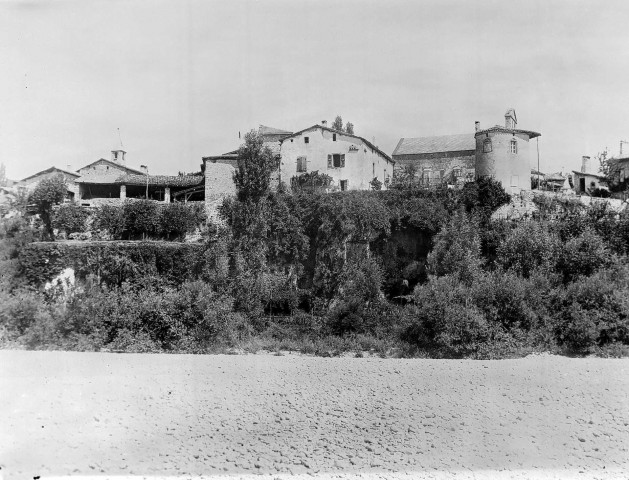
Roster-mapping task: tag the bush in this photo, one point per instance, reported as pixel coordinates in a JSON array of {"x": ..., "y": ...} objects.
[
  {"x": 177, "y": 219},
  {"x": 112, "y": 262},
  {"x": 110, "y": 219},
  {"x": 457, "y": 249},
  {"x": 583, "y": 255},
  {"x": 70, "y": 218},
  {"x": 528, "y": 248},
  {"x": 141, "y": 218}
]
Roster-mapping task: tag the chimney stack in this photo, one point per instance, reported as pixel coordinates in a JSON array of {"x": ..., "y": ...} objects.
[
  {"x": 324, "y": 123},
  {"x": 511, "y": 121},
  {"x": 477, "y": 125},
  {"x": 585, "y": 164}
]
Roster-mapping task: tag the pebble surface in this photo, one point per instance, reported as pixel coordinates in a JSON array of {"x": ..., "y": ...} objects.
[{"x": 293, "y": 416}]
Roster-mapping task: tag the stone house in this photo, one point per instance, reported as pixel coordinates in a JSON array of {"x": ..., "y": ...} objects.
[
  {"x": 438, "y": 159},
  {"x": 29, "y": 183},
  {"x": 504, "y": 153},
  {"x": 351, "y": 161},
  {"x": 110, "y": 181}
]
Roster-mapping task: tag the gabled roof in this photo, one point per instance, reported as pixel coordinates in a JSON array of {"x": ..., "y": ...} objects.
[
  {"x": 366, "y": 142},
  {"x": 108, "y": 177},
  {"x": 161, "y": 180},
  {"x": 498, "y": 128},
  {"x": 436, "y": 144},
  {"x": 584, "y": 174},
  {"x": 264, "y": 130},
  {"x": 117, "y": 165},
  {"x": 51, "y": 170}
]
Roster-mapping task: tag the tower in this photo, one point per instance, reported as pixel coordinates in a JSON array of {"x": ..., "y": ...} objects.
[{"x": 503, "y": 153}]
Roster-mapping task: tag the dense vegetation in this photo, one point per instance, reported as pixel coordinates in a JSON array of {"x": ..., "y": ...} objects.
[{"x": 405, "y": 271}]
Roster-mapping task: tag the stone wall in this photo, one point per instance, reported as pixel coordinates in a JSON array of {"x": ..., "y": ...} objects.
[
  {"x": 446, "y": 162},
  {"x": 219, "y": 184}
]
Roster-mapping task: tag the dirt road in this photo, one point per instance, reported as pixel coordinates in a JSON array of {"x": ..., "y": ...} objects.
[{"x": 89, "y": 414}]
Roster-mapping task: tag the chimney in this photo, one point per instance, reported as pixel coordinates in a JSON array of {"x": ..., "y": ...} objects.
[
  {"x": 324, "y": 123},
  {"x": 477, "y": 125},
  {"x": 511, "y": 120},
  {"x": 585, "y": 164}
]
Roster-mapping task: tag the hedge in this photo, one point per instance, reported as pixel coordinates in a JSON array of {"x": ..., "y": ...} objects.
[{"x": 112, "y": 262}]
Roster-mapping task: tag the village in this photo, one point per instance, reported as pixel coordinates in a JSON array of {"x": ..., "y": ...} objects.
[
  {"x": 503, "y": 152},
  {"x": 329, "y": 240}
]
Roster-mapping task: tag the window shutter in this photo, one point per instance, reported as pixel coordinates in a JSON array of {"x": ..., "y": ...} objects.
[
  {"x": 330, "y": 164},
  {"x": 343, "y": 160}
]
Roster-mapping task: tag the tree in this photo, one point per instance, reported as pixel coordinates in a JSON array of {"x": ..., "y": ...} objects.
[
  {"x": 3, "y": 175},
  {"x": 349, "y": 128},
  {"x": 256, "y": 163},
  {"x": 338, "y": 123},
  {"x": 48, "y": 192}
]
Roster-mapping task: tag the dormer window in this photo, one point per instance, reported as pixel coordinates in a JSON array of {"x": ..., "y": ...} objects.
[
  {"x": 514, "y": 146},
  {"x": 487, "y": 146}
]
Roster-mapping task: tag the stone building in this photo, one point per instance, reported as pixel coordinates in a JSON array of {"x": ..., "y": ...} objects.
[
  {"x": 439, "y": 159},
  {"x": 504, "y": 153},
  {"x": 29, "y": 183},
  {"x": 350, "y": 160}
]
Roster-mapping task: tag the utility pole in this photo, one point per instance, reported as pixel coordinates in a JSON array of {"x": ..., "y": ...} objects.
[
  {"x": 538, "y": 173},
  {"x": 146, "y": 170}
]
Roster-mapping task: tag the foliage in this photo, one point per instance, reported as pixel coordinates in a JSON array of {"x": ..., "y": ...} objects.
[
  {"x": 141, "y": 218},
  {"x": 349, "y": 128},
  {"x": 110, "y": 219},
  {"x": 176, "y": 219},
  {"x": 311, "y": 181},
  {"x": 375, "y": 184},
  {"x": 3, "y": 175},
  {"x": 337, "y": 124},
  {"x": 457, "y": 249},
  {"x": 484, "y": 197},
  {"x": 112, "y": 263},
  {"x": 70, "y": 218},
  {"x": 528, "y": 248},
  {"x": 48, "y": 192},
  {"x": 256, "y": 163},
  {"x": 583, "y": 255}
]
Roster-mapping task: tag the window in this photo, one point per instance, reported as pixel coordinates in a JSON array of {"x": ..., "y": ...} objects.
[
  {"x": 515, "y": 180},
  {"x": 302, "y": 165},
  {"x": 373, "y": 169},
  {"x": 487, "y": 146},
  {"x": 457, "y": 173},
  {"x": 442, "y": 174},
  {"x": 514, "y": 146},
  {"x": 426, "y": 175},
  {"x": 334, "y": 137},
  {"x": 336, "y": 160},
  {"x": 344, "y": 185},
  {"x": 306, "y": 140}
]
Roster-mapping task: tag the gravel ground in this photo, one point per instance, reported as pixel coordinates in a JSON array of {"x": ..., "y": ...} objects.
[{"x": 292, "y": 416}]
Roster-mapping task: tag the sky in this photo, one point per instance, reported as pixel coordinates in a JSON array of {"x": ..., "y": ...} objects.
[{"x": 178, "y": 80}]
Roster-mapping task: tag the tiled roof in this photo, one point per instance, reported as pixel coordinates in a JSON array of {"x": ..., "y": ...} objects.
[
  {"x": 264, "y": 130},
  {"x": 161, "y": 180},
  {"x": 117, "y": 165},
  {"x": 498, "y": 128},
  {"x": 51, "y": 170},
  {"x": 366, "y": 142},
  {"x": 436, "y": 144}
]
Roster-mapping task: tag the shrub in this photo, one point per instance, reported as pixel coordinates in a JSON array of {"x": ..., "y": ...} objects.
[
  {"x": 141, "y": 218},
  {"x": 70, "y": 218},
  {"x": 457, "y": 249},
  {"x": 110, "y": 218},
  {"x": 112, "y": 262},
  {"x": 48, "y": 192},
  {"x": 583, "y": 255},
  {"x": 177, "y": 219},
  {"x": 527, "y": 248}
]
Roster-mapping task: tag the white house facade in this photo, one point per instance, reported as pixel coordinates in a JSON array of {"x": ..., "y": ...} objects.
[{"x": 351, "y": 161}]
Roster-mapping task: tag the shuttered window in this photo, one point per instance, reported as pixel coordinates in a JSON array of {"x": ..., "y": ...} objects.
[{"x": 302, "y": 164}]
